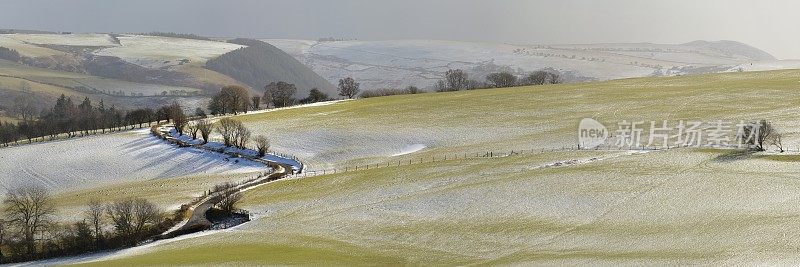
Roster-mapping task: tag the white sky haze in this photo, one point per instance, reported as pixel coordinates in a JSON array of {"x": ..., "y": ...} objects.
[{"x": 769, "y": 25}]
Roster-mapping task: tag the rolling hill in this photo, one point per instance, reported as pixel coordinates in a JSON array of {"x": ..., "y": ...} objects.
[
  {"x": 686, "y": 206},
  {"x": 134, "y": 70},
  {"x": 399, "y": 63},
  {"x": 259, "y": 63}
]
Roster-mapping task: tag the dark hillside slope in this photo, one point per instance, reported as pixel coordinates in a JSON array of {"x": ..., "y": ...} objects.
[{"x": 260, "y": 63}]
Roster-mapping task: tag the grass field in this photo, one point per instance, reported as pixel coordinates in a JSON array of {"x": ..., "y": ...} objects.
[
  {"x": 66, "y": 80},
  {"x": 674, "y": 207},
  {"x": 26, "y": 49},
  {"x": 372, "y": 130}
]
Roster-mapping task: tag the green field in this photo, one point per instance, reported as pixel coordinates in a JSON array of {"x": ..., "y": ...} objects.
[
  {"x": 672, "y": 207},
  {"x": 675, "y": 207},
  {"x": 372, "y": 130}
]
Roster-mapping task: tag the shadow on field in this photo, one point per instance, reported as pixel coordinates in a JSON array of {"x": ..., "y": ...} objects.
[{"x": 735, "y": 155}]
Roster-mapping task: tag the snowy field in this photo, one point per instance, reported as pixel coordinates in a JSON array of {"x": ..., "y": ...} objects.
[
  {"x": 673, "y": 207},
  {"x": 25, "y": 49},
  {"x": 158, "y": 52},
  {"x": 679, "y": 207},
  {"x": 398, "y": 63},
  {"x": 83, "y": 39},
  {"x": 106, "y": 159},
  {"x": 544, "y": 117}
]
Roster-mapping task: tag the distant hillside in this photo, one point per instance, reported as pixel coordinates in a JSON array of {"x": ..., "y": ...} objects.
[
  {"x": 399, "y": 63},
  {"x": 734, "y": 48},
  {"x": 130, "y": 70},
  {"x": 260, "y": 63}
]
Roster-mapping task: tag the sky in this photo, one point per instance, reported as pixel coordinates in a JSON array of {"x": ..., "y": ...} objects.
[{"x": 769, "y": 25}]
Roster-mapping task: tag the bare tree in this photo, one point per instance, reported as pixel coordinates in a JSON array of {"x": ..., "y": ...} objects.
[
  {"x": 456, "y": 79},
  {"x": 95, "y": 216},
  {"x": 540, "y": 77},
  {"x": 133, "y": 218},
  {"x": 146, "y": 215},
  {"x": 279, "y": 94},
  {"x": 29, "y": 209},
  {"x": 777, "y": 141},
  {"x": 764, "y": 133},
  {"x": 192, "y": 128},
  {"x": 759, "y": 135},
  {"x": 179, "y": 119},
  {"x": 348, "y": 87},
  {"x": 205, "y": 127},
  {"x": 227, "y": 127},
  {"x": 231, "y": 98},
  {"x": 121, "y": 215},
  {"x": 241, "y": 135},
  {"x": 315, "y": 95},
  {"x": 262, "y": 144},
  {"x": 24, "y": 106},
  {"x": 441, "y": 86},
  {"x": 255, "y": 104},
  {"x": 501, "y": 79},
  {"x": 229, "y": 201}
]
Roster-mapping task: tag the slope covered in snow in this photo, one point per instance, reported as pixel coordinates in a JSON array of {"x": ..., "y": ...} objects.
[
  {"x": 399, "y": 63},
  {"x": 97, "y": 160}
]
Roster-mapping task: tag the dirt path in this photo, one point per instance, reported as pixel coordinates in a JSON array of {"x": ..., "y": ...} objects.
[{"x": 198, "y": 221}]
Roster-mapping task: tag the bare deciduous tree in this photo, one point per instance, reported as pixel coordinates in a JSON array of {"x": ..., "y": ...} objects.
[
  {"x": 231, "y": 98},
  {"x": 29, "y": 209},
  {"x": 241, "y": 135},
  {"x": 348, "y": 87},
  {"x": 501, "y": 79},
  {"x": 777, "y": 141},
  {"x": 179, "y": 119},
  {"x": 229, "y": 197},
  {"x": 541, "y": 77},
  {"x": 24, "y": 106},
  {"x": 133, "y": 217},
  {"x": 255, "y": 103},
  {"x": 205, "y": 127},
  {"x": 758, "y": 135},
  {"x": 229, "y": 128},
  {"x": 279, "y": 94},
  {"x": 764, "y": 133},
  {"x": 121, "y": 215},
  {"x": 262, "y": 145},
  {"x": 95, "y": 216},
  {"x": 192, "y": 128},
  {"x": 146, "y": 214},
  {"x": 456, "y": 79}
]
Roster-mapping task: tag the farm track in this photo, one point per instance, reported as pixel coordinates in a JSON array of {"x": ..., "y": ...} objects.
[{"x": 198, "y": 221}]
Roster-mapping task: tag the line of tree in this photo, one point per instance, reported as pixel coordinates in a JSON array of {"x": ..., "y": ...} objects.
[
  {"x": 456, "y": 80},
  {"x": 410, "y": 90},
  {"x": 30, "y": 231},
  {"x": 9, "y": 54},
  {"x": 67, "y": 117}
]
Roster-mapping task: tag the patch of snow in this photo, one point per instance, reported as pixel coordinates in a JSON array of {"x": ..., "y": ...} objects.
[
  {"x": 410, "y": 149},
  {"x": 158, "y": 51},
  {"x": 103, "y": 159}
]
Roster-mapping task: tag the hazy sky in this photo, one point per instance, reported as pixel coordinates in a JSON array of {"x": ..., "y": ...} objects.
[{"x": 769, "y": 25}]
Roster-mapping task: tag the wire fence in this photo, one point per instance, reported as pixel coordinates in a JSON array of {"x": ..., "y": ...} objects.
[
  {"x": 456, "y": 157},
  {"x": 500, "y": 154}
]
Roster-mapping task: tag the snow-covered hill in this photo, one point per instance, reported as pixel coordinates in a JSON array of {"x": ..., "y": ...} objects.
[{"x": 391, "y": 64}]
